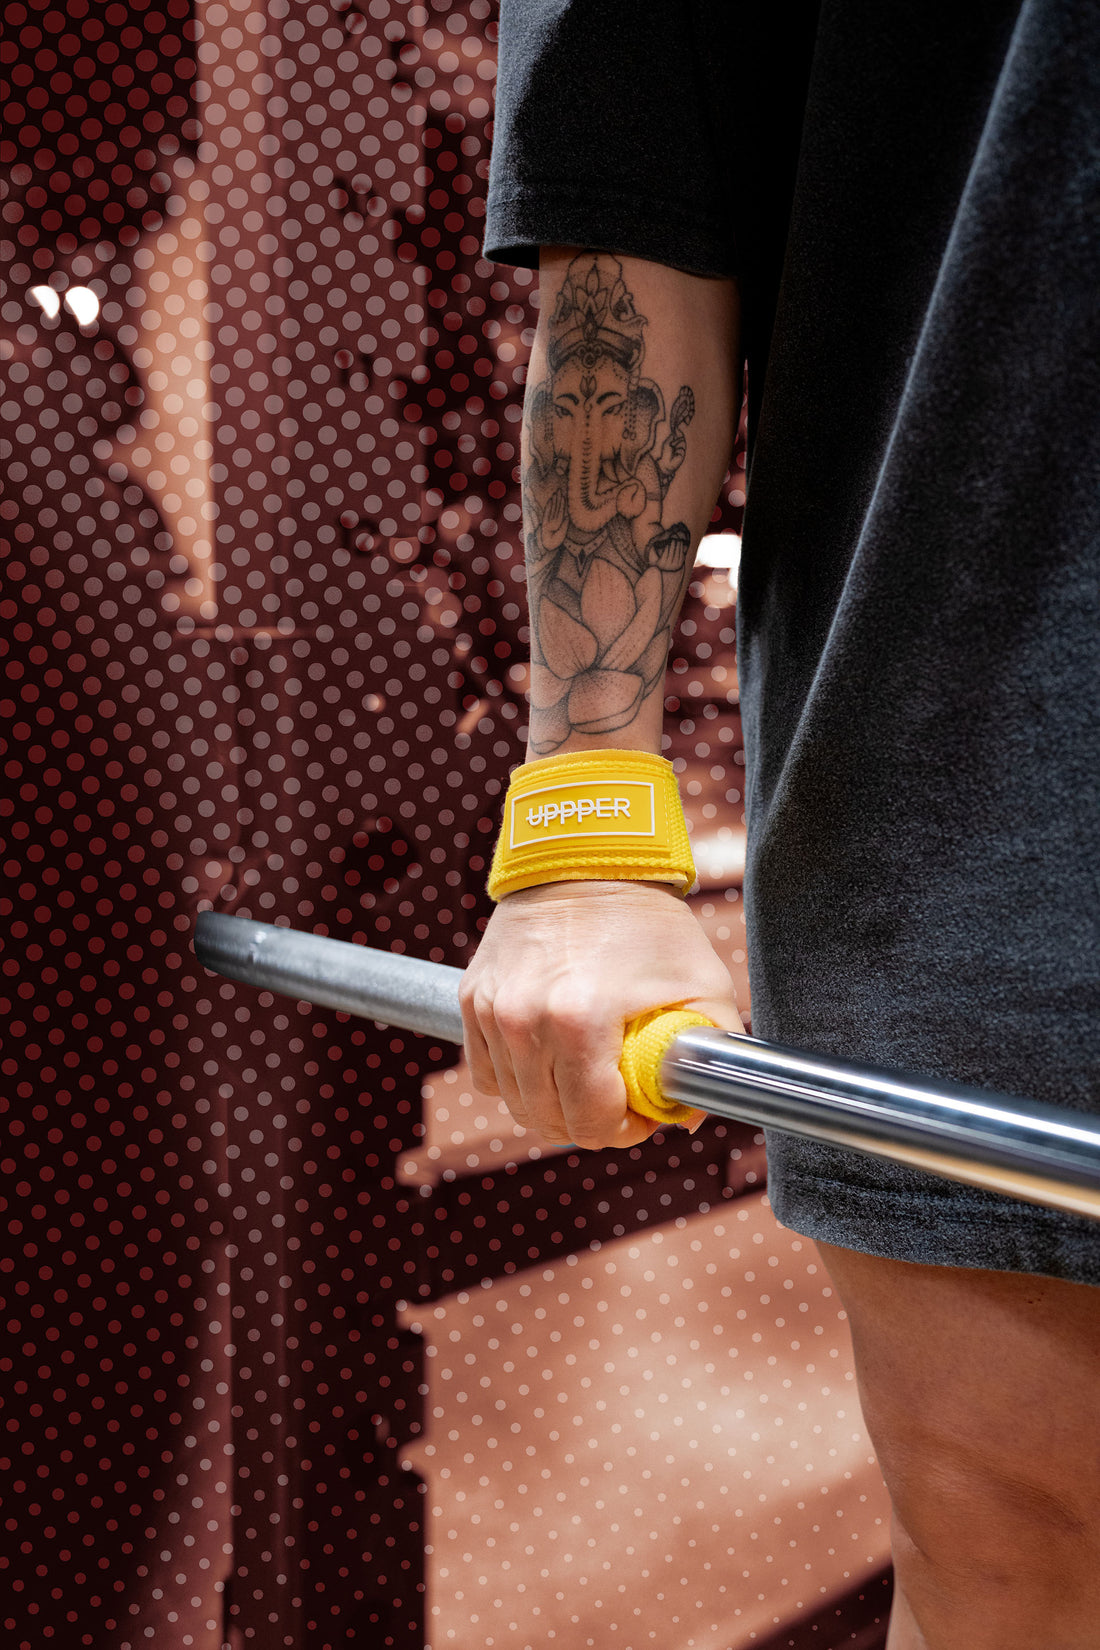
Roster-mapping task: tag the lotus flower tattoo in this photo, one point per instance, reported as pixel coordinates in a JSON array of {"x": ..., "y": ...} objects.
[{"x": 604, "y": 573}]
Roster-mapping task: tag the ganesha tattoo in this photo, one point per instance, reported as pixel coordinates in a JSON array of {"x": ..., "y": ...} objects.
[{"x": 604, "y": 572}]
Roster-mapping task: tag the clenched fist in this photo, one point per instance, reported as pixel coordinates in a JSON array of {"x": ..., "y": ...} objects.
[{"x": 561, "y": 971}]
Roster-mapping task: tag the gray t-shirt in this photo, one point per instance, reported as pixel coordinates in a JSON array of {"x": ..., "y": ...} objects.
[{"x": 909, "y": 198}]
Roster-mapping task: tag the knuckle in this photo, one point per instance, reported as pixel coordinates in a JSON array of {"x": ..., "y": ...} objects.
[
  {"x": 483, "y": 1006},
  {"x": 570, "y": 1011},
  {"x": 513, "y": 1014},
  {"x": 591, "y": 1140},
  {"x": 466, "y": 990},
  {"x": 557, "y": 1137},
  {"x": 483, "y": 1076},
  {"x": 475, "y": 1002}
]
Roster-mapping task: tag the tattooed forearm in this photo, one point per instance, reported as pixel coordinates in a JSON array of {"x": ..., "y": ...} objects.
[{"x": 605, "y": 573}]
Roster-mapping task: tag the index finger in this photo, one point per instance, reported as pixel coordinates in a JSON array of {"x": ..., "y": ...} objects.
[{"x": 592, "y": 1092}]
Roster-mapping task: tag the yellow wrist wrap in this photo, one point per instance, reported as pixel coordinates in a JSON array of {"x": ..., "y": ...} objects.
[
  {"x": 600, "y": 815},
  {"x": 645, "y": 1044}
]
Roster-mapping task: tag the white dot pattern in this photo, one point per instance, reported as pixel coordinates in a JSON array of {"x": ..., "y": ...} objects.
[
  {"x": 263, "y": 651},
  {"x": 656, "y": 1444}
]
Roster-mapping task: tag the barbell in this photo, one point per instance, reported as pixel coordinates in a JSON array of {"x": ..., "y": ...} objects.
[{"x": 1022, "y": 1148}]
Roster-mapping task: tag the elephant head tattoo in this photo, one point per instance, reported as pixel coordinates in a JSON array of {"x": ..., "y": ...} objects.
[{"x": 604, "y": 572}]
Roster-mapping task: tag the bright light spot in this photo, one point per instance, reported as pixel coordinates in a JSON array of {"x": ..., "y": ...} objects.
[
  {"x": 719, "y": 857},
  {"x": 720, "y": 550},
  {"x": 82, "y": 302},
  {"x": 47, "y": 298}
]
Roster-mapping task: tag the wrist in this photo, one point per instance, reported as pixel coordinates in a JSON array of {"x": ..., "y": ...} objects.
[{"x": 592, "y": 816}]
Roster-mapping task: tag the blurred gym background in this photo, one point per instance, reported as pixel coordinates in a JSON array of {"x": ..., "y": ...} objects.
[{"x": 306, "y": 1344}]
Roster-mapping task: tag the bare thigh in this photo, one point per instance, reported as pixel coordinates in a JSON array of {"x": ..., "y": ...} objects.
[{"x": 981, "y": 1391}]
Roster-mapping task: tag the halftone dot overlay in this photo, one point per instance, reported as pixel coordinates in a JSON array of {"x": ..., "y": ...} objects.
[
  {"x": 263, "y": 643},
  {"x": 619, "y": 1447}
]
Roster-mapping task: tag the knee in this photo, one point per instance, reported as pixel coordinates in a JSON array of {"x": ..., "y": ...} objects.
[
  {"x": 1003, "y": 1531},
  {"x": 1010, "y": 1558}
]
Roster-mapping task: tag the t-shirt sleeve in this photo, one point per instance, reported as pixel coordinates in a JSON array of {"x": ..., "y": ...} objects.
[{"x": 614, "y": 128}]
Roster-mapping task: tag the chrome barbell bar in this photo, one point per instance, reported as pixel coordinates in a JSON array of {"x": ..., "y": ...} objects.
[{"x": 1023, "y": 1148}]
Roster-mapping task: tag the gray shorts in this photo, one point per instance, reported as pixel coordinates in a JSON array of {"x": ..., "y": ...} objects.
[{"x": 881, "y": 1208}]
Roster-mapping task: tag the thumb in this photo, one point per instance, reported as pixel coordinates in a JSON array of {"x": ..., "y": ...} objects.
[{"x": 646, "y": 1042}]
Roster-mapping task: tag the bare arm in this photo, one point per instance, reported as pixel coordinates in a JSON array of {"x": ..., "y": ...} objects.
[
  {"x": 629, "y": 423},
  {"x": 630, "y": 415}
]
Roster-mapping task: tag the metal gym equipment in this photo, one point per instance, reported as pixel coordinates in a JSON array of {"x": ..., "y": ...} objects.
[{"x": 1023, "y": 1148}]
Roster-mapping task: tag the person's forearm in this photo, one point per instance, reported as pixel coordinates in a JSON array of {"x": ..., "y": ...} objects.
[{"x": 632, "y": 399}]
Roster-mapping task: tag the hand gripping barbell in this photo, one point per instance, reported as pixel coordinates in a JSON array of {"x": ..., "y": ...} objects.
[{"x": 1023, "y": 1148}]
